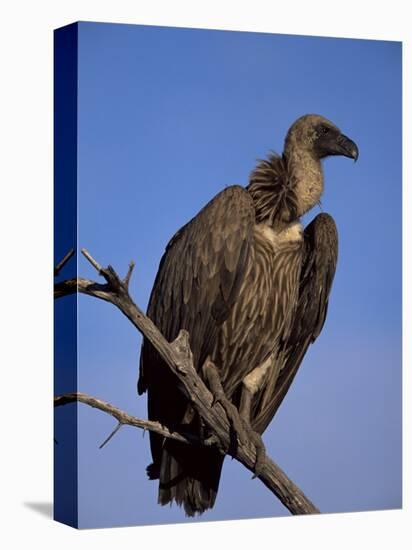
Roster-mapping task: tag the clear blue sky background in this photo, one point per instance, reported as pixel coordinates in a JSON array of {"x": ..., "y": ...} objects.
[{"x": 169, "y": 117}]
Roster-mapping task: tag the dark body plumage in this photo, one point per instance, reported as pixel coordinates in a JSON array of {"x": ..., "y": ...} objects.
[{"x": 252, "y": 290}]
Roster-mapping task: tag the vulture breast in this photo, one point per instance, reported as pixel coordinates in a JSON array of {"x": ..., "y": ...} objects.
[{"x": 262, "y": 314}]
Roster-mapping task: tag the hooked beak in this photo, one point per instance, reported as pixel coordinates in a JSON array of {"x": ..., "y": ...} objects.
[{"x": 346, "y": 147}]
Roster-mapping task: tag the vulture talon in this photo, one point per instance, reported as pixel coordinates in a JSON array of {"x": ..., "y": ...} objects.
[
  {"x": 260, "y": 449},
  {"x": 217, "y": 399},
  {"x": 234, "y": 419},
  {"x": 212, "y": 377}
]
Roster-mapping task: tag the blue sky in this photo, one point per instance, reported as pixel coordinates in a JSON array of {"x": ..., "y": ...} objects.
[{"x": 167, "y": 118}]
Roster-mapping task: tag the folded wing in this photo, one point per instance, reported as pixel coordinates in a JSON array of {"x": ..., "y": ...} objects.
[{"x": 318, "y": 270}]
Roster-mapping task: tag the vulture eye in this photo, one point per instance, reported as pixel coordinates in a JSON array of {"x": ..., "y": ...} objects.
[{"x": 324, "y": 130}]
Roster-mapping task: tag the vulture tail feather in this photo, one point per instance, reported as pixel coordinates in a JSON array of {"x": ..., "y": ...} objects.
[{"x": 189, "y": 476}]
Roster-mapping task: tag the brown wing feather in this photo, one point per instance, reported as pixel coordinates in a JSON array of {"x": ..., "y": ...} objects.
[
  {"x": 196, "y": 286},
  {"x": 318, "y": 270}
]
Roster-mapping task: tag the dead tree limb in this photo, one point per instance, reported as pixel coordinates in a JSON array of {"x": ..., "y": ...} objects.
[
  {"x": 123, "y": 418},
  {"x": 63, "y": 262},
  {"x": 178, "y": 356}
]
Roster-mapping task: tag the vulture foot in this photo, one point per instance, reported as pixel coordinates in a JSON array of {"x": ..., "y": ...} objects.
[
  {"x": 239, "y": 431},
  {"x": 254, "y": 436},
  {"x": 240, "y": 423},
  {"x": 260, "y": 448}
]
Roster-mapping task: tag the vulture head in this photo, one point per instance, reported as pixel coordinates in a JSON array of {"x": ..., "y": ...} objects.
[{"x": 319, "y": 137}]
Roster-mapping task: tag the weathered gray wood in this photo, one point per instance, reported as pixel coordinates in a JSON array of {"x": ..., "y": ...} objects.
[{"x": 122, "y": 417}]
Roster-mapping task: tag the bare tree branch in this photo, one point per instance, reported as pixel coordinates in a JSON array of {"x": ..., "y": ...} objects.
[
  {"x": 126, "y": 280},
  {"x": 178, "y": 356},
  {"x": 123, "y": 418},
  {"x": 88, "y": 257},
  {"x": 63, "y": 262}
]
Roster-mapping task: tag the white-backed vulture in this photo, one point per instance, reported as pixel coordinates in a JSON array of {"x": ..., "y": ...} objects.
[{"x": 251, "y": 287}]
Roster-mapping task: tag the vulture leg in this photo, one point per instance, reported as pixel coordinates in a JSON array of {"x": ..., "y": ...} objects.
[
  {"x": 212, "y": 377},
  {"x": 251, "y": 384},
  {"x": 240, "y": 424}
]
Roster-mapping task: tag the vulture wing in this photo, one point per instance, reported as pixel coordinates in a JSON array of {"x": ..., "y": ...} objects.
[
  {"x": 318, "y": 270},
  {"x": 196, "y": 286},
  {"x": 200, "y": 275}
]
